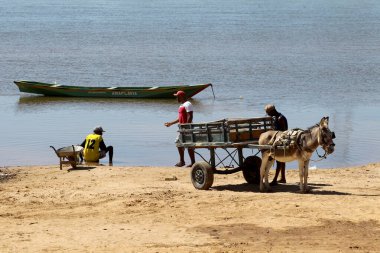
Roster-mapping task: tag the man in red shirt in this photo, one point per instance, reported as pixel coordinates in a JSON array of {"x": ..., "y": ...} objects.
[{"x": 185, "y": 115}]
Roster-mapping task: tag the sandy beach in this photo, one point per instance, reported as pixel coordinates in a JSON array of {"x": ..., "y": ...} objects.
[{"x": 157, "y": 209}]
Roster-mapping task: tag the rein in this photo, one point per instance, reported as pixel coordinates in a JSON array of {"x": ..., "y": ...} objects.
[{"x": 321, "y": 157}]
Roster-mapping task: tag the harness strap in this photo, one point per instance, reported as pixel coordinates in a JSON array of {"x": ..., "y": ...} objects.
[{"x": 272, "y": 141}]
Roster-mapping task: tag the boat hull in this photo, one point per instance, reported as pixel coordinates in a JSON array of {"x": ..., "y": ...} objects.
[{"x": 57, "y": 90}]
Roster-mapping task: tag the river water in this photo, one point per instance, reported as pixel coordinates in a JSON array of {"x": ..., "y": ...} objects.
[{"x": 310, "y": 58}]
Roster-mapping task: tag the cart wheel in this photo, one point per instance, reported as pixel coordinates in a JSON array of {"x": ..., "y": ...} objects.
[
  {"x": 202, "y": 175},
  {"x": 73, "y": 162},
  {"x": 251, "y": 169}
]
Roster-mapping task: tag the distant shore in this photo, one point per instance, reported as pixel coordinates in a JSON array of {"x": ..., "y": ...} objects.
[{"x": 157, "y": 209}]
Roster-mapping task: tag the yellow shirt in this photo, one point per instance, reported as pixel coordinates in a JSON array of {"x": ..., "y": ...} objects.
[{"x": 91, "y": 148}]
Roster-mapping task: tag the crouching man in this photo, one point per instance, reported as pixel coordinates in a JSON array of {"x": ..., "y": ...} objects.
[{"x": 94, "y": 147}]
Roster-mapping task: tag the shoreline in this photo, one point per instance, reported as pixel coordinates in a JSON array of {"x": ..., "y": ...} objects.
[{"x": 157, "y": 209}]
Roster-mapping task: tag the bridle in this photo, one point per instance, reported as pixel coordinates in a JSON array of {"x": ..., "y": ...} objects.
[{"x": 325, "y": 144}]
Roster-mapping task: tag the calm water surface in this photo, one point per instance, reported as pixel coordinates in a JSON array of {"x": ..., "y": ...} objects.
[{"x": 310, "y": 58}]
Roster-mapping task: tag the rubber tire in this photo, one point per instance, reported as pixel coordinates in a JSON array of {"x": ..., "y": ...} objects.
[
  {"x": 202, "y": 175},
  {"x": 251, "y": 169},
  {"x": 73, "y": 162}
]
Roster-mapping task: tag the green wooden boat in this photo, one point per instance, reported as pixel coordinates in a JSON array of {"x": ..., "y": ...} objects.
[{"x": 58, "y": 90}]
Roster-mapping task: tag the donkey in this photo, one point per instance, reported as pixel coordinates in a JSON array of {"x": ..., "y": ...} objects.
[{"x": 306, "y": 142}]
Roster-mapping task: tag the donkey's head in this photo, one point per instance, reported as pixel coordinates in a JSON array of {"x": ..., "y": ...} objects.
[{"x": 326, "y": 136}]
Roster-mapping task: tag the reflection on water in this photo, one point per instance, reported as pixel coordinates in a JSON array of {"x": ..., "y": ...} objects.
[
  {"x": 40, "y": 102},
  {"x": 33, "y": 102}
]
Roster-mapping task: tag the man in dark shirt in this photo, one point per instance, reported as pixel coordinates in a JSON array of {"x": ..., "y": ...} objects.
[{"x": 280, "y": 124}]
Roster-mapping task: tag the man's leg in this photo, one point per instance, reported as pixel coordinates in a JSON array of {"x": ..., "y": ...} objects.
[
  {"x": 274, "y": 181},
  {"x": 109, "y": 150},
  {"x": 192, "y": 156},
  {"x": 282, "y": 168},
  {"x": 181, "y": 152}
]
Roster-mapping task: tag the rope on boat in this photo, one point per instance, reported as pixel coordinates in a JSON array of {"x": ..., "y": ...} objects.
[{"x": 212, "y": 90}]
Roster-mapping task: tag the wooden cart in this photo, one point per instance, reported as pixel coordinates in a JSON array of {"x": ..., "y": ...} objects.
[
  {"x": 231, "y": 136},
  {"x": 68, "y": 155}
]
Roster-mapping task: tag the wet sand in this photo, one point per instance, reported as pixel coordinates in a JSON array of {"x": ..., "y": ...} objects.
[{"x": 157, "y": 209}]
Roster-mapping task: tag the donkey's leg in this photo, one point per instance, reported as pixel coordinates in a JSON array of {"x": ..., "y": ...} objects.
[
  {"x": 301, "y": 168},
  {"x": 267, "y": 169},
  {"x": 305, "y": 175},
  {"x": 264, "y": 161}
]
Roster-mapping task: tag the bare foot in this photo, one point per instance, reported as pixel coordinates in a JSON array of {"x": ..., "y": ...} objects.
[
  {"x": 273, "y": 183},
  {"x": 179, "y": 164},
  {"x": 282, "y": 181},
  {"x": 190, "y": 165}
]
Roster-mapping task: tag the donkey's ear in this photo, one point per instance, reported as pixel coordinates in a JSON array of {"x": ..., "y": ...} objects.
[{"x": 324, "y": 122}]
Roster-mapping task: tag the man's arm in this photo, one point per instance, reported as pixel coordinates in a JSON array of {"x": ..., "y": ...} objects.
[
  {"x": 190, "y": 117},
  {"x": 102, "y": 145},
  {"x": 283, "y": 123},
  {"x": 168, "y": 124},
  {"x": 189, "y": 111}
]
